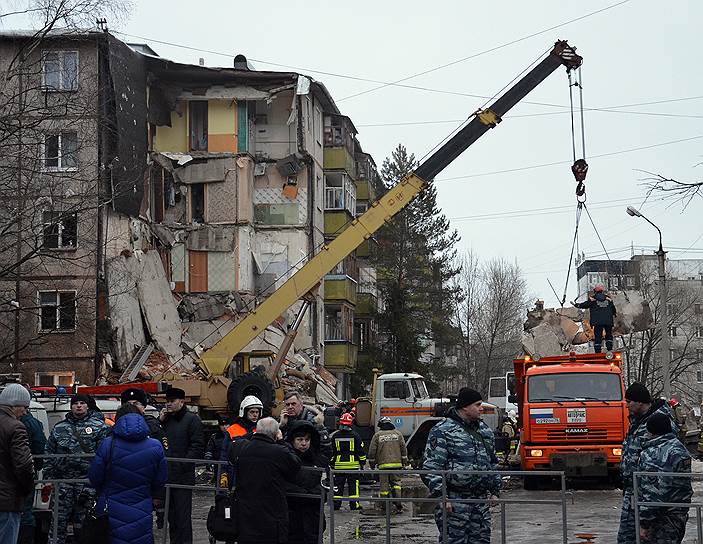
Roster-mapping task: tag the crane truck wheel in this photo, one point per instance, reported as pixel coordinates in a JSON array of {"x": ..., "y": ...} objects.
[{"x": 251, "y": 383}]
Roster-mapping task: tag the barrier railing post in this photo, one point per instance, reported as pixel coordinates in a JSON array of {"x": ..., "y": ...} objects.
[
  {"x": 321, "y": 523},
  {"x": 699, "y": 524},
  {"x": 167, "y": 503},
  {"x": 443, "y": 507},
  {"x": 388, "y": 520},
  {"x": 55, "y": 510},
  {"x": 636, "y": 506},
  {"x": 564, "y": 529},
  {"x": 503, "y": 524},
  {"x": 330, "y": 503}
]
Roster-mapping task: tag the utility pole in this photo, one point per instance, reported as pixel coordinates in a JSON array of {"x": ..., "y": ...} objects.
[
  {"x": 664, "y": 322},
  {"x": 663, "y": 307}
]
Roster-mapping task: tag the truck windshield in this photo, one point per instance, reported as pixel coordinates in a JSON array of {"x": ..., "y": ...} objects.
[
  {"x": 576, "y": 386},
  {"x": 421, "y": 388}
]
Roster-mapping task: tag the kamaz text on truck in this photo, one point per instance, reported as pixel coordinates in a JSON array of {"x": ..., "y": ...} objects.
[{"x": 572, "y": 414}]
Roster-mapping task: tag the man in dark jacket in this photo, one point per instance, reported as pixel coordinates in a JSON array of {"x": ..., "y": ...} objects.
[
  {"x": 262, "y": 468},
  {"x": 663, "y": 452},
  {"x": 602, "y": 317},
  {"x": 641, "y": 407},
  {"x": 37, "y": 445},
  {"x": 304, "y": 513},
  {"x": 184, "y": 433},
  {"x": 16, "y": 467},
  {"x": 295, "y": 410}
]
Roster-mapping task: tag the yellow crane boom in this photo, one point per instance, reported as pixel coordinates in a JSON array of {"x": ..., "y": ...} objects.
[{"x": 216, "y": 360}]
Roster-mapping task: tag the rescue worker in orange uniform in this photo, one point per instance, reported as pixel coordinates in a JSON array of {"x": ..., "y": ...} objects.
[
  {"x": 250, "y": 410},
  {"x": 347, "y": 454}
]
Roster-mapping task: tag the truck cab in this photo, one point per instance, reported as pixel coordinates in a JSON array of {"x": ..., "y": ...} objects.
[{"x": 572, "y": 414}]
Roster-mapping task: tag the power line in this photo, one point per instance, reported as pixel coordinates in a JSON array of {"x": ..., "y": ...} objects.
[
  {"x": 540, "y": 114},
  {"x": 544, "y": 165},
  {"x": 486, "y": 51},
  {"x": 384, "y": 84}
]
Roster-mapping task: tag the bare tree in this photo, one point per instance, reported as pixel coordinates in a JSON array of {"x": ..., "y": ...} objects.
[
  {"x": 641, "y": 350},
  {"x": 50, "y": 176},
  {"x": 490, "y": 314},
  {"x": 684, "y": 192}
]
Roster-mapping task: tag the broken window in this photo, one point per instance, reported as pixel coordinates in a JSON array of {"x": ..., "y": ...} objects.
[
  {"x": 58, "y": 310},
  {"x": 60, "y": 231},
  {"x": 339, "y": 323},
  {"x": 197, "y": 203},
  {"x": 157, "y": 195},
  {"x": 198, "y": 125},
  {"x": 340, "y": 192},
  {"x": 276, "y": 214},
  {"x": 60, "y": 70},
  {"x": 61, "y": 151}
]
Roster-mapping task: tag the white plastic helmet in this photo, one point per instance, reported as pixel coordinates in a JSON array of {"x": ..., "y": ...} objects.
[
  {"x": 249, "y": 401},
  {"x": 512, "y": 414}
]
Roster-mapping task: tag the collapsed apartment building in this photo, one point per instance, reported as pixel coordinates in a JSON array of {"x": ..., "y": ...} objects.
[{"x": 219, "y": 183}]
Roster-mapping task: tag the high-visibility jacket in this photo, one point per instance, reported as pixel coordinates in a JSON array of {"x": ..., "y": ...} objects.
[
  {"x": 347, "y": 450},
  {"x": 387, "y": 450}
]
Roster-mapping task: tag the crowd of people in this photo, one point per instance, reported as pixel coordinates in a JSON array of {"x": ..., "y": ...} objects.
[{"x": 276, "y": 468}]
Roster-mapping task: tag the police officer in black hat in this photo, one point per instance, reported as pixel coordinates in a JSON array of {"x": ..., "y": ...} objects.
[{"x": 184, "y": 432}]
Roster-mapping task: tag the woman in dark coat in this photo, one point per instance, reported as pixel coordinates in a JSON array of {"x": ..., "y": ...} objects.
[
  {"x": 304, "y": 513},
  {"x": 129, "y": 467}
]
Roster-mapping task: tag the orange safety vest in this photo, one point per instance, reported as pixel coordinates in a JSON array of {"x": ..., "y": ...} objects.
[{"x": 236, "y": 430}]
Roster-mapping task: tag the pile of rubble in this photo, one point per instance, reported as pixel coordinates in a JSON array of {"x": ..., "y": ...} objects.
[
  {"x": 550, "y": 331},
  {"x": 143, "y": 308}
]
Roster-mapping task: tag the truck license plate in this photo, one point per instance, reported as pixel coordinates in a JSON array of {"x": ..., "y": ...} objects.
[{"x": 576, "y": 415}]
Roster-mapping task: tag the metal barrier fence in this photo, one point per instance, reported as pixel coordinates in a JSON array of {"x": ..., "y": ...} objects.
[
  {"x": 328, "y": 498},
  {"x": 636, "y": 504},
  {"x": 444, "y": 498}
]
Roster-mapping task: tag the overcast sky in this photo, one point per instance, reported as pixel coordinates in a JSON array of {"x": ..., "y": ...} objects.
[{"x": 638, "y": 51}]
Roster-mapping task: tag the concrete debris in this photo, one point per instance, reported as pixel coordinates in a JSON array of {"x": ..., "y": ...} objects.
[
  {"x": 126, "y": 327},
  {"x": 202, "y": 307},
  {"x": 138, "y": 288},
  {"x": 210, "y": 238},
  {"x": 206, "y": 334},
  {"x": 164, "y": 234},
  {"x": 552, "y": 331}
]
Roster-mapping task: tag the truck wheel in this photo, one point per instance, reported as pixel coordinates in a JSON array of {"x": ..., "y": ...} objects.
[{"x": 252, "y": 383}]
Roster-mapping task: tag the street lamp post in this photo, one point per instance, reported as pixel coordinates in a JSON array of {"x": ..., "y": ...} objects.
[{"x": 663, "y": 307}]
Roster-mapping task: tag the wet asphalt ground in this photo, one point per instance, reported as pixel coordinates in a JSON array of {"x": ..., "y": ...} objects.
[{"x": 593, "y": 513}]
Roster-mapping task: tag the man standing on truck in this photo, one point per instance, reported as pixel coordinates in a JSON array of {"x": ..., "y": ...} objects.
[
  {"x": 641, "y": 408},
  {"x": 388, "y": 451},
  {"x": 663, "y": 453},
  {"x": 80, "y": 433},
  {"x": 602, "y": 316},
  {"x": 459, "y": 443}
]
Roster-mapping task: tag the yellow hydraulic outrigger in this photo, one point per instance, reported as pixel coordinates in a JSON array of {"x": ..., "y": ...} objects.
[{"x": 216, "y": 360}]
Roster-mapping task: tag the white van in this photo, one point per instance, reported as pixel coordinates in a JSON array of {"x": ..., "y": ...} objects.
[{"x": 57, "y": 408}]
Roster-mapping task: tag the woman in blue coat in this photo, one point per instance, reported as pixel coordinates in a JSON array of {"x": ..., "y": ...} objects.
[{"x": 129, "y": 467}]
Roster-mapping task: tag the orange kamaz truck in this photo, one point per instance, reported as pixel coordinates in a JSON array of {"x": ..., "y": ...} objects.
[{"x": 572, "y": 414}]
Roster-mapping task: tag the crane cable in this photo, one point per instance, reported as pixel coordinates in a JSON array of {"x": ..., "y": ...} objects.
[{"x": 579, "y": 170}]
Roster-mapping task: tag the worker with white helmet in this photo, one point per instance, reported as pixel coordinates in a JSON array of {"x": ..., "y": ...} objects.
[
  {"x": 388, "y": 452},
  {"x": 250, "y": 410}
]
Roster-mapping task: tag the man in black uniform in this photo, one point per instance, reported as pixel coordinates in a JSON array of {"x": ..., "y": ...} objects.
[
  {"x": 184, "y": 432},
  {"x": 602, "y": 316}
]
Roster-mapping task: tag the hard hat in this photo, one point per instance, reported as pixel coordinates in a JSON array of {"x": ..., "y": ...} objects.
[
  {"x": 512, "y": 414},
  {"x": 598, "y": 287},
  {"x": 249, "y": 401},
  {"x": 674, "y": 403},
  {"x": 384, "y": 419},
  {"x": 346, "y": 419}
]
